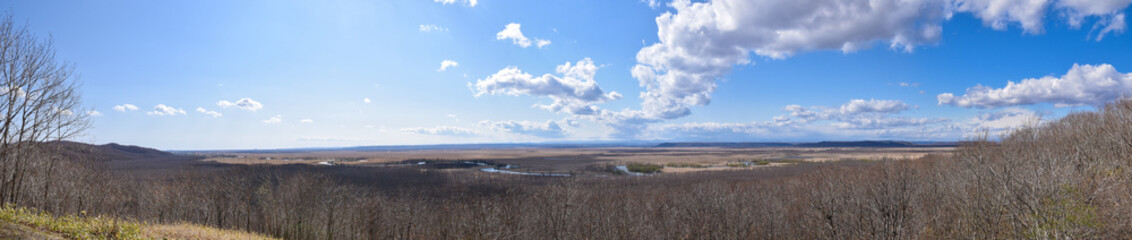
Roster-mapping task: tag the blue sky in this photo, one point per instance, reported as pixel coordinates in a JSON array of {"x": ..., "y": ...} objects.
[{"x": 276, "y": 74}]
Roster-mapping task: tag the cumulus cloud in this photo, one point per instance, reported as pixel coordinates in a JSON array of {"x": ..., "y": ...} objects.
[
  {"x": 366, "y": 100},
  {"x": 885, "y": 122},
  {"x": 243, "y": 103},
  {"x": 998, "y": 122},
  {"x": 444, "y": 65},
  {"x": 872, "y": 105},
  {"x": 163, "y": 110},
  {"x": 212, "y": 114},
  {"x": 856, "y": 114},
  {"x": 512, "y": 32},
  {"x": 471, "y": 3},
  {"x": 432, "y": 27},
  {"x": 442, "y": 131},
  {"x": 94, "y": 113},
  {"x": 700, "y": 42},
  {"x": 125, "y": 108},
  {"x": 548, "y": 129},
  {"x": 1082, "y": 85},
  {"x": 574, "y": 92},
  {"x": 853, "y": 120},
  {"x": 274, "y": 120}
]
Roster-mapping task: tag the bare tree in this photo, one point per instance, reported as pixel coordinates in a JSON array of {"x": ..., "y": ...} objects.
[{"x": 40, "y": 104}]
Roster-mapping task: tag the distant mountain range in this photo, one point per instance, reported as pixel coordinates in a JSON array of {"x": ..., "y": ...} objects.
[{"x": 886, "y": 144}]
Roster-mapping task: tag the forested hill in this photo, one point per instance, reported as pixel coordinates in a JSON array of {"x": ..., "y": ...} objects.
[{"x": 107, "y": 152}]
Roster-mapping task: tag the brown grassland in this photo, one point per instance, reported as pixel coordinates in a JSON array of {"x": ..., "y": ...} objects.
[{"x": 582, "y": 160}]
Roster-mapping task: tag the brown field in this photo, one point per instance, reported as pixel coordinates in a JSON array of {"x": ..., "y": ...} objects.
[{"x": 584, "y": 159}]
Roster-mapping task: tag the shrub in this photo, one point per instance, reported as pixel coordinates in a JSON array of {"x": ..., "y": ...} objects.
[
  {"x": 685, "y": 165},
  {"x": 644, "y": 168}
]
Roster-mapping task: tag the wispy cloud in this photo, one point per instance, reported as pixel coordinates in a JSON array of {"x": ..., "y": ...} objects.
[
  {"x": 274, "y": 120},
  {"x": 470, "y": 3},
  {"x": 212, "y": 114},
  {"x": 442, "y": 131},
  {"x": 432, "y": 28}
]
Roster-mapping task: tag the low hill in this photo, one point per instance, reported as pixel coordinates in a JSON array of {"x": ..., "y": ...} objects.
[
  {"x": 139, "y": 161},
  {"x": 108, "y": 152}
]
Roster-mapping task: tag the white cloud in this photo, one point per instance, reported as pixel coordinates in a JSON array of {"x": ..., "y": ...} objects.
[
  {"x": 701, "y": 42},
  {"x": 1082, "y": 85},
  {"x": 4, "y": 91},
  {"x": 997, "y": 123},
  {"x": 212, "y": 114},
  {"x": 94, "y": 113},
  {"x": 541, "y": 43},
  {"x": 471, "y": 3},
  {"x": 511, "y": 31},
  {"x": 328, "y": 139},
  {"x": 573, "y": 92},
  {"x": 243, "y": 103},
  {"x": 274, "y": 120},
  {"x": 906, "y": 84},
  {"x": 306, "y": 121},
  {"x": 442, "y": 131},
  {"x": 453, "y": 116},
  {"x": 855, "y": 114},
  {"x": 885, "y": 122},
  {"x": 872, "y": 105},
  {"x": 855, "y": 119},
  {"x": 125, "y": 108},
  {"x": 366, "y": 100},
  {"x": 548, "y": 129},
  {"x": 432, "y": 27},
  {"x": 162, "y": 110},
  {"x": 444, "y": 65}
]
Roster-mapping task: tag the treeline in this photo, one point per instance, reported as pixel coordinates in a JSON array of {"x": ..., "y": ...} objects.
[{"x": 1063, "y": 179}]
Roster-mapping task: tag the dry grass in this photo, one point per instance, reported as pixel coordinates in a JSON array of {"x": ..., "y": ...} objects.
[
  {"x": 192, "y": 231},
  {"x": 30, "y": 223}
]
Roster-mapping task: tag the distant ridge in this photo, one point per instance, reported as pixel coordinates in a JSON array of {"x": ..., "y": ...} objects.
[
  {"x": 108, "y": 152},
  {"x": 885, "y": 144}
]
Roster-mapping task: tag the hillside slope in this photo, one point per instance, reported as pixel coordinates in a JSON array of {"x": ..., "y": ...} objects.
[{"x": 26, "y": 223}]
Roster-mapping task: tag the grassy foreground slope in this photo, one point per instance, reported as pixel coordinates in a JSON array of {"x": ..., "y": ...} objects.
[{"x": 27, "y": 223}]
